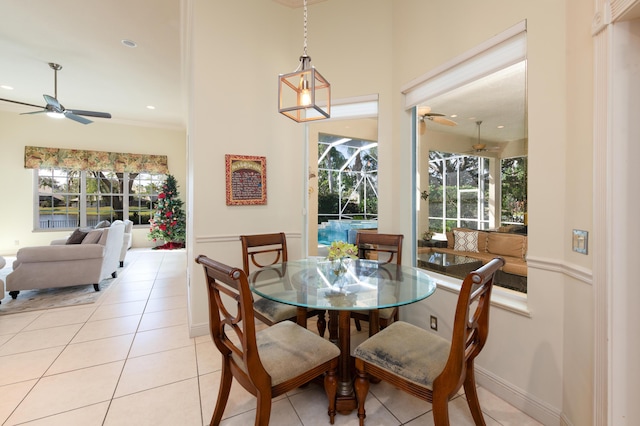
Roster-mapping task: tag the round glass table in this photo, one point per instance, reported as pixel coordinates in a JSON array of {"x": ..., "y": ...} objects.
[{"x": 341, "y": 287}]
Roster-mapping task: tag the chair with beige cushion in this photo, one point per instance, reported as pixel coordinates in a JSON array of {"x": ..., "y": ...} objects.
[
  {"x": 95, "y": 258},
  {"x": 427, "y": 365},
  {"x": 268, "y": 363},
  {"x": 262, "y": 250},
  {"x": 385, "y": 248}
]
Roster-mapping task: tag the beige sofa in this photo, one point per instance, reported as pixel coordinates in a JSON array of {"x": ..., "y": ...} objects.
[
  {"x": 2, "y": 263},
  {"x": 60, "y": 265},
  {"x": 488, "y": 244}
]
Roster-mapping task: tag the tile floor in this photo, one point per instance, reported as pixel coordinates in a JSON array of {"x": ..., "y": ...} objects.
[{"x": 128, "y": 360}]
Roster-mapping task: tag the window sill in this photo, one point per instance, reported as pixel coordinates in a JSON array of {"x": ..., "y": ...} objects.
[{"x": 502, "y": 298}]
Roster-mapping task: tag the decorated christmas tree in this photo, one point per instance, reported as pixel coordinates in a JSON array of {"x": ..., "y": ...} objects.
[{"x": 168, "y": 221}]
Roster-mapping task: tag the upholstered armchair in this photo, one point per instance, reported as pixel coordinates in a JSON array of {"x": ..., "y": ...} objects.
[
  {"x": 128, "y": 240},
  {"x": 95, "y": 258}
]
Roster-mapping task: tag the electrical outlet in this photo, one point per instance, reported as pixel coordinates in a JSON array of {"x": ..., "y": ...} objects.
[
  {"x": 434, "y": 323},
  {"x": 16, "y": 242}
]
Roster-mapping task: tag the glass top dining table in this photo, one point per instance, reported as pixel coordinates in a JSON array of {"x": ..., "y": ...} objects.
[
  {"x": 355, "y": 284},
  {"x": 340, "y": 288}
]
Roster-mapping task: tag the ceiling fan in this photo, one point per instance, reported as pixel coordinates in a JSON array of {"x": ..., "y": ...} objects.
[
  {"x": 424, "y": 113},
  {"x": 479, "y": 147},
  {"x": 53, "y": 107}
]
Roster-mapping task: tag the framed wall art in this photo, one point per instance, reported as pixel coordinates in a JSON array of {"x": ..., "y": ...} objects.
[{"x": 246, "y": 177}]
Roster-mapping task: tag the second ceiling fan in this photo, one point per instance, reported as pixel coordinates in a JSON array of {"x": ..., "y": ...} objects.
[
  {"x": 55, "y": 107},
  {"x": 424, "y": 113}
]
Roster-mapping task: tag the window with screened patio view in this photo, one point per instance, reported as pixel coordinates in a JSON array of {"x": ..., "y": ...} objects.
[
  {"x": 75, "y": 198},
  {"x": 477, "y": 206}
]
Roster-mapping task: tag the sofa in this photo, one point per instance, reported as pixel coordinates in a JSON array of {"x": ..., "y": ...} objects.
[
  {"x": 2, "y": 263},
  {"x": 89, "y": 261},
  {"x": 128, "y": 240},
  {"x": 485, "y": 245}
]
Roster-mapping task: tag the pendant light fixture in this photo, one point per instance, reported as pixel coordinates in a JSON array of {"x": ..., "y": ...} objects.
[{"x": 304, "y": 95}]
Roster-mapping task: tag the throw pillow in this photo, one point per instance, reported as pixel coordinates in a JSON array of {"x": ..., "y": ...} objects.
[
  {"x": 76, "y": 237},
  {"x": 93, "y": 237},
  {"x": 466, "y": 241},
  {"x": 102, "y": 224}
]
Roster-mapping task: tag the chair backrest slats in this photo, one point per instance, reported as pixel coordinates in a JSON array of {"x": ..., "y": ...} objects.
[
  {"x": 255, "y": 247},
  {"x": 231, "y": 283},
  {"x": 470, "y": 332},
  {"x": 390, "y": 244}
]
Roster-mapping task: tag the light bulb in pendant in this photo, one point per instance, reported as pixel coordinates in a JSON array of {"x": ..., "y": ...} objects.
[{"x": 304, "y": 98}]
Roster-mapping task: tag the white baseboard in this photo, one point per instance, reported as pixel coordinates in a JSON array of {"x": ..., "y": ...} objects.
[
  {"x": 197, "y": 330},
  {"x": 528, "y": 404}
]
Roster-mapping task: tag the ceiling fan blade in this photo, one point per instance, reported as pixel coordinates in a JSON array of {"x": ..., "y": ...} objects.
[
  {"x": 424, "y": 110},
  {"x": 90, "y": 113},
  {"x": 21, "y": 103},
  {"x": 53, "y": 104},
  {"x": 442, "y": 120},
  {"x": 34, "y": 112},
  {"x": 74, "y": 117}
]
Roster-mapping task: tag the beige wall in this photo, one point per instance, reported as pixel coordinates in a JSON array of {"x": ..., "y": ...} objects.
[
  {"x": 538, "y": 372},
  {"x": 233, "y": 71},
  {"x": 18, "y": 131},
  {"x": 366, "y": 47}
]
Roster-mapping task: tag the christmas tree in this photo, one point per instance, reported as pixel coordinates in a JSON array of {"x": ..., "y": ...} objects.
[{"x": 168, "y": 221}]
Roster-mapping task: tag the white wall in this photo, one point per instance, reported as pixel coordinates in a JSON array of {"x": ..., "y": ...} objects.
[{"x": 18, "y": 131}]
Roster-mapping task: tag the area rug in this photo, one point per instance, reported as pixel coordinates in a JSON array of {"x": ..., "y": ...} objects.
[{"x": 49, "y": 298}]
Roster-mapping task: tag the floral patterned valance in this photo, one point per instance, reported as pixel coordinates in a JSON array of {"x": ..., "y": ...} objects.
[{"x": 74, "y": 159}]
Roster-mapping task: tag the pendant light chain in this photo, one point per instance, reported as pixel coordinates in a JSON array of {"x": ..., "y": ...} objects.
[{"x": 305, "y": 27}]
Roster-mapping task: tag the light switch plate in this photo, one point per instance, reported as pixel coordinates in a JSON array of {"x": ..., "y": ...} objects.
[{"x": 580, "y": 241}]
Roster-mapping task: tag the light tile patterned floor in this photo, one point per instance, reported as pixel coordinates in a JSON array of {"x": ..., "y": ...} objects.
[{"x": 128, "y": 360}]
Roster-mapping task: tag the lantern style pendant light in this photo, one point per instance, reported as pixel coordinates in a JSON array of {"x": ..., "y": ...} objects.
[{"x": 304, "y": 95}]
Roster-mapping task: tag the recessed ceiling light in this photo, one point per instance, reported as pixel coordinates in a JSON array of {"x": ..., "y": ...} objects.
[
  {"x": 501, "y": 127},
  {"x": 150, "y": 107},
  {"x": 453, "y": 115},
  {"x": 471, "y": 118},
  {"x": 129, "y": 43},
  {"x": 4, "y": 86}
]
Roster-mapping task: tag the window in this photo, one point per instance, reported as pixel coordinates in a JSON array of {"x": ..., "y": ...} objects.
[
  {"x": 458, "y": 191},
  {"x": 71, "y": 198}
]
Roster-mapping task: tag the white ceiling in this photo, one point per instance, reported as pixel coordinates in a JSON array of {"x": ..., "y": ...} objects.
[
  {"x": 98, "y": 72},
  {"x": 101, "y": 74}
]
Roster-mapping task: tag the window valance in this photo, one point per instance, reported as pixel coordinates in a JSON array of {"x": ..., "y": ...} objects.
[{"x": 74, "y": 159}]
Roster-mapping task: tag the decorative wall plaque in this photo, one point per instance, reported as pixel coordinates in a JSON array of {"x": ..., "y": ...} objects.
[{"x": 246, "y": 177}]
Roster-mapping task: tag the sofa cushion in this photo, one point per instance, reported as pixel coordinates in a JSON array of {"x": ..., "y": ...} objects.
[
  {"x": 465, "y": 241},
  {"x": 76, "y": 237},
  {"x": 93, "y": 237},
  {"x": 507, "y": 244},
  {"x": 102, "y": 224}
]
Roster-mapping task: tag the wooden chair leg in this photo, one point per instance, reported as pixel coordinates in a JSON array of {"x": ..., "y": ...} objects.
[
  {"x": 322, "y": 324},
  {"x": 223, "y": 394},
  {"x": 440, "y": 409},
  {"x": 472, "y": 396},
  {"x": 263, "y": 409},
  {"x": 358, "y": 325},
  {"x": 361, "y": 386},
  {"x": 331, "y": 388}
]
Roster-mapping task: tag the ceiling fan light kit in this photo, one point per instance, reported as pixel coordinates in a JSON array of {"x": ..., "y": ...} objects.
[
  {"x": 54, "y": 109},
  {"x": 304, "y": 94}
]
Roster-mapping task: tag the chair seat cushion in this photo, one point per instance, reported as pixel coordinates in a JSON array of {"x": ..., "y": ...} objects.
[
  {"x": 408, "y": 351},
  {"x": 288, "y": 350},
  {"x": 274, "y": 311}
]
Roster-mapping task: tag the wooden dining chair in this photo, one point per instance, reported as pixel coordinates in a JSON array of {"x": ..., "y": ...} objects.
[
  {"x": 385, "y": 248},
  {"x": 267, "y": 363},
  {"x": 426, "y": 365},
  {"x": 262, "y": 250}
]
